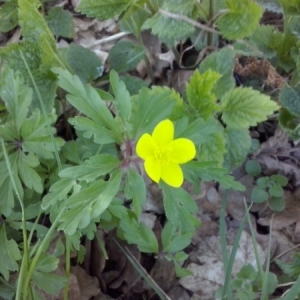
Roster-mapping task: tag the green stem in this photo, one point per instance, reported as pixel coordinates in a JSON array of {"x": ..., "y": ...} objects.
[
  {"x": 210, "y": 17},
  {"x": 68, "y": 265},
  {"x": 39, "y": 252},
  {"x": 25, "y": 259}
]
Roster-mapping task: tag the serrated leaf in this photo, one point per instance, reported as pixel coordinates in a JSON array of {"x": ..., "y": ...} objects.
[
  {"x": 87, "y": 100},
  {"x": 247, "y": 272},
  {"x": 290, "y": 99},
  {"x": 7, "y": 292},
  {"x": 32, "y": 23},
  {"x": 168, "y": 30},
  {"x": 292, "y": 269},
  {"x": 50, "y": 283},
  {"x": 180, "y": 208},
  {"x": 9, "y": 254},
  {"x": 150, "y": 107},
  {"x": 27, "y": 173},
  {"x": 177, "y": 241},
  {"x": 133, "y": 83},
  {"x": 8, "y": 15},
  {"x": 92, "y": 168},
  {"x": 122, "y": 97},
  {"x": 46, "y": 263},
  {"x": 139, "y": 234},
  {"x": 135, "y": 189},
  {"x": 84, "y": 62},
  {"x": 245, "y": 107},
  {"x": 222, "y": 62},
  {"x": 199, "y": 92},
  {"x": 125, "y": 55},
  {"x": 238, "y": 143},
  {"x": 60, "y": 22},
  {"x": 213, "y": 149},
  {"x": 102, "y": 9},
  {"x": 241, "y": 20}
]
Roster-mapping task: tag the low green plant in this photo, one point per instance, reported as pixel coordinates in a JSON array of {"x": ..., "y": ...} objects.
[{"x": 268, "y": 188}]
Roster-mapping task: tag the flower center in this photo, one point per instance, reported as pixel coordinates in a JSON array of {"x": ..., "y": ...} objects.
[{"x": 164, "y": 154}]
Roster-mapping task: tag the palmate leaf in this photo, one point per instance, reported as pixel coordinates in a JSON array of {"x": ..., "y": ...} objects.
[
  {"x": 241, "y": 20},
  {"x": 103, "y": 9},
  {"x": 199, "y": 92},
  {"x": 9, "y": 254},
  {"x": 245, "y": 107},
  {"x": 87, "y": 100}
]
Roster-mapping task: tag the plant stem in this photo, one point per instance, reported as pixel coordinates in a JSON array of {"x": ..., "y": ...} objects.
[
  {"x": 68, "y": 258},
  {"x": 25, "y": 260},
  {"x": 210, "y": 17}
]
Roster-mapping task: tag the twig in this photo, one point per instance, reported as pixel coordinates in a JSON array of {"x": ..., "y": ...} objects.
[
  {"x": 108, "y": 39},
  {"x": 188, "y": 20}
]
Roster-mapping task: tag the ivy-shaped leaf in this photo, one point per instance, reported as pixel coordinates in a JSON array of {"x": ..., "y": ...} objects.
[
  {"x": 241, "y": 20},
  {"x": 245, "y": 107}
]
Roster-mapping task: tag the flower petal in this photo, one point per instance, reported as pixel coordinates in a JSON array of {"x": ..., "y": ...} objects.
[
  {"x": 172, "y": 174},
  {"x": 184, "y": 150},
  {"x": 145, "y": 146},
  {"x": 153, "y": 168},
  {"x": 163, "y": 133}
]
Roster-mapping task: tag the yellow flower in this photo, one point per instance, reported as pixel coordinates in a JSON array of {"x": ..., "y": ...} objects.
[{"x": 163, "y": 155}]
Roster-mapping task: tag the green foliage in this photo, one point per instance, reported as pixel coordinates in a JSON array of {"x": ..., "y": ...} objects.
[
  {"x": 240, "y": 108},
  {"x": 125, "y": 55},
  {"x": 102, "y": 9},
  {"x": 8, "y": 15},
  {"x": 291, "y": 269},
  {"x": 241, "y": 19},
  {"x": 253, "y": 168},
  {"x": 290, "y": 99},
  {"x": 60, "y": 22}
]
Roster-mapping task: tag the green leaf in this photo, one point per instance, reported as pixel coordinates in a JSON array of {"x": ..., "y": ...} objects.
[
  {"x": 245, "y": 107},
  {"x": 259, "y": 195},
  {"x": 168, "y": 30},
  {"x": 60, "y": 22},
  {"x": 277, "y": 204},
  {"x": 253, "y": 168},
  {"x": 150, "y": 107},
  {"x": 247, "y": 272},
  {"x": 133, "y": 83},
  {"x": 263, "y": 182},
  {"x": 279, "y": 179},
  {"x": 174, "y": 241},
  {"x": 207, "y": 171},
  {"x": 46, "y": 263},
  {"x": 32, "y": 23},
  {"x": 238, "y": 143},
  {"x": 92, "y": 168},
  {"x": 180, "y": 208},
  {"x": 102, "y": 9},
  {"x": 291, "y": 269},
  {"x": 57, "y": 192},
  {"x": 17, "y": 97},
  {"x": 87, "y": 100},
  {"x": 182, "y": 272},
  {"x": 122, "y": 97},
  {"x": 241, "y": 19},
  {"x": 213, "y": 149},
  {"x": 271, "y": 283},
  {"x": 50, "y": 283},
  {"x": 222, "y": 62},
  {"x": 276, "y": 191},
  {"x": 199, "y": 92},
  {"x": 125, "y": 55},
  {"x": 8, "y": 15},
  {"x": 135, "y": 189},
  {"x": 84, "y": 62},
  {"x": 290, "y": 99},
  {"x": 7, "y": 292},
  {"x": 26, "y": 165},
  {"x": 139, "y": 234},
  {"x": 9, "y": 254}
]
